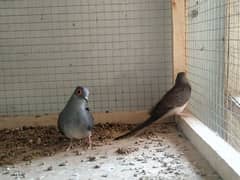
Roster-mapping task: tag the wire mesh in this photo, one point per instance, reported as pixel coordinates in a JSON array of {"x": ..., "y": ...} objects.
[
  {"x": 213, "y": 32},
  {"x": 120, "y": 50},
  {"x": 232, "y": 64}
]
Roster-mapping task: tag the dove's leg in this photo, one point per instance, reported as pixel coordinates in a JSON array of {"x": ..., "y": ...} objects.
[
  {"x": 90, "y": 141},
  {"x": 70, "y": 145},
  {"x": 80, "y": 141}
]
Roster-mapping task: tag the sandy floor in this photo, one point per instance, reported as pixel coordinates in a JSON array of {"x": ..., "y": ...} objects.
[{"x": 37, "y": 154}]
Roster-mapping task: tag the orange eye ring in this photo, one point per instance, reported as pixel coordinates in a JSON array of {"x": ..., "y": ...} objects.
[{"x": 79, "y": 92}]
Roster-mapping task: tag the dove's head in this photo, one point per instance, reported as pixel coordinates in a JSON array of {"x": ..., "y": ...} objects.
[
  {"x": 81, "y": 92},
  {"x": 181, "y": 78}
]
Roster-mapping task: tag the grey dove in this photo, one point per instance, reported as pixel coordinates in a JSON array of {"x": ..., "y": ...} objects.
[
  {"x": 76, "y": 121},
  {"x": 172, "y": 103}
]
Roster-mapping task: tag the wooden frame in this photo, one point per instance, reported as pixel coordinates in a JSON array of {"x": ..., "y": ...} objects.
[
  {"x": 179, "y": 36},
  {"x": 51, "y": 119}
]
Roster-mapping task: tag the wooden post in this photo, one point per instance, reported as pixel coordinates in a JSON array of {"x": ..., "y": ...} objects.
[{"x": 179, "y": 43}]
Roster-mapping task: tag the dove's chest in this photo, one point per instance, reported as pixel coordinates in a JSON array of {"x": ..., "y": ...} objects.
[
  {"x": 180, "y": 109},
  {"x": 74, "y": 122}
]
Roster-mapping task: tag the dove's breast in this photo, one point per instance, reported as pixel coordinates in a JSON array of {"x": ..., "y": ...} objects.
[{"x": 74, "y": 124}]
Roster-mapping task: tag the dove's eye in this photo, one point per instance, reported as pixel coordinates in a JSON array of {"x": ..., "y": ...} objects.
[{"x": 79, "y": 92}]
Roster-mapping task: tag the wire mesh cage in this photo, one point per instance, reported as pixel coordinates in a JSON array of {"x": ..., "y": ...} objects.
[
  {"x": 120, "y": 50},
  {"x": 232, "y": 73},
  {"x": 213, "y": 33}
]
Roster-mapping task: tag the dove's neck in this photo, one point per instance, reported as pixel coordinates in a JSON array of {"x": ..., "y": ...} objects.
[{"x": 76, "y": 102}]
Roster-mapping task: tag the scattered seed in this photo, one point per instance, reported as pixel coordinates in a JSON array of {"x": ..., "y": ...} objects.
[
  {"x": 41, "y": 164},
  {"x": 96, "y": 167},
  {"x": 63, "y": 163},
  {"x": 104, "y": 175},
  {"x": 91, "y": 158},
  {"x": 50, "y": 168},
  {"x": 103, "y": 157},
  {"x": 39, "y": 141}
]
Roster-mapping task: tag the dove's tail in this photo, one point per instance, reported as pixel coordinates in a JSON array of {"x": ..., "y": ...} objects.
[{"x": 146, "y": 123}]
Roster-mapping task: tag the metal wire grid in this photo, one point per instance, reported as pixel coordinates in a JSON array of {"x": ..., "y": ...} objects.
[
  {"x": 213, "y": 64},
  {"x": 121, "y": 50},
  {"x": 232, "y": 73}
]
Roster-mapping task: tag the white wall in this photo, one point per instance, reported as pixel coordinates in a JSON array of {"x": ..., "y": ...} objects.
[{"x": 121, "y": 50}]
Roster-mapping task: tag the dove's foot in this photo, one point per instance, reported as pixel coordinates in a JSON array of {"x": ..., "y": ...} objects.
[{"x": 70, "y": 146}]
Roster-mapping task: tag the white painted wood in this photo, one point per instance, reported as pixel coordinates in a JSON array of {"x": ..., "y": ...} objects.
[{"x": 223, "y": 157}]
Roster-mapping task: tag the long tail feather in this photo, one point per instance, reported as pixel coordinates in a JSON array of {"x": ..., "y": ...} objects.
[{"x": 146, "y": 123}]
